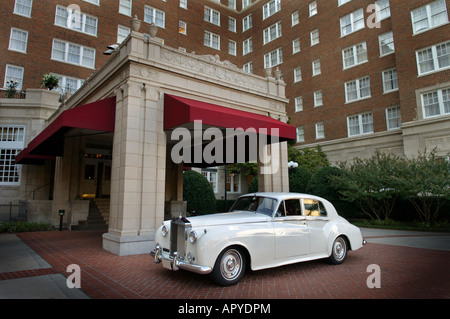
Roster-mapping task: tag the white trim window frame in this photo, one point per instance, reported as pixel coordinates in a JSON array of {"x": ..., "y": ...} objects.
[
  {"x": 156, "y": 16},
  {"x": 12, "y": 141},
  {"x": 73, "y": 53},
  {"x": 232, "y": 47},
  {"x": 273, "y": 58},
  {"x": 122, "y": 33},
  {"x": 69, "y": 84},
  {"x": 296, "y": 46},
  {"x": 23, "y": 8},
  {"x": 436, "y": 103},
  {"x": 212, "y": 16},
  {"x": 300, "y": 133},
  {"x": 18, "y": 40},
  {"x": 383, "y": 10},
  {"x": 316, "y": 67},
  {"x": 212, "y": 40},
  {"x": 352, "y": 22},
  {"x": 360, "y": 124},
  {"x": 14, "y": 73},
  {"x": 354, "y": 55},
  {"x": 247, "y": 46},
  {"x": 320, "y": 130},
  {"x": 247, "y": 22},
  {"x": 390, "y": 81},
  {"x": 272, "y": 32},
  {"x": 429, "y": 16},
  {"x": 393, "y": 117},
  {"x": 318, "y": 98},
  {"x": 74, "y": 20},
  {"x": 270, "y": 8},
  {"x": 248, "y": 67},
  {"x": 315, "y": 37},
  {"x": 357, "y": 90},
  {"x": 313, "y": 9},
  {"x": 298, "y": 101},
  {"x": 386, "y": 43},
  {"x": 297, "y": 74},
  {"x": 433, "y": 59},
  {"x": 125, "y": 7}
]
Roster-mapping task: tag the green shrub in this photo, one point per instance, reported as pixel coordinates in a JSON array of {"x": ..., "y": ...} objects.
[
  {"x": 19, "y": 227},
  {"x": 299, "y": 179},
  {"x": 198, "y": 194}
]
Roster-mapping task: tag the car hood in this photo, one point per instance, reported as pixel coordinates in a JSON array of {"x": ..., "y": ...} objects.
[{"x": 238, "y": 217}]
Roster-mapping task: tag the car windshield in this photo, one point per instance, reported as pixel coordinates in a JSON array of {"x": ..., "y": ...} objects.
[{"x": 257, "y": 204}]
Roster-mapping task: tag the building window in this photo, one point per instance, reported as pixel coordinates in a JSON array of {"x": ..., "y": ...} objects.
[
  {"x": 295, "y": 18},
  {"x": 125, "y": 7},
  {"x": 273, "y": 58},
  {"x": 436, "y": 103},
  {"x": 357, "y": 90},
  {"x": 212, "y": 16},
  {"x": 182, "y": 27},
  {"x": 386, "y": 43},
  {"x": 183, "y": 4},
  {"x": 122, "y": 33},
  {"x": 247, "y": 46},
  {"x": 429, "y": 16},
  {"x": 14, "y": 73},
  {"x": 212, "y": 40},
  {"x": 320, "y": 131},
  {"x": 69, "y": 84},
  {"x": 298, "y": 104},
  {"x": 435, "y": 58},
  {"x": 270, "y": 8},
  {"x": 318, "y": 101},
  {"x": 383, "y": 9},
  {"x": 271, "y": 33},
  {"x": 75, "y": 20},
  {"x": 393, "y": 118},
  {"x": 297, "y": 74},
  {"x": 300, "y": 134},
  {"x": 248, "y": 67},
  {"x": 73, "y": 53},
  {"x": 231, "y": 47},
  {"x": 23, "y": 7},
  {"x": 152, "y": 15},
  {"x": 314, "y": 37},
  {"x": 354, "y": 55},
  {"x": 247, "y": 23},
  {"x": 231, "y": 24},
  {"x": 352, "y": 22},
  {"x": 360, "y": 124},
  {"x": 97, "y": 2},
  {"x": 233, "y": 183},
  {"x": 211, "y": 176},
  {"x": 316, "y": 68},
  {"x": 341, "y": 2},
  {"x": 232, "y": 4},
  {"x": 296, "y": 46},
  {"x": 246, "y": 3},
  {"x": 390, "y": 82},
  {"x": 12, "y": 140},
  {"x": 18, "y": 40},
  {"x": 313, "y": 8}
]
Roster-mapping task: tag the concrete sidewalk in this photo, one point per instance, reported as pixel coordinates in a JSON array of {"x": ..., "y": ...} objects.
[
  {"x": 31, "y": 276},
  {"x": 24, "y": 274}
]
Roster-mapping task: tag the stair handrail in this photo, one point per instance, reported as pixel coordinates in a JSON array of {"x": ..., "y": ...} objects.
[{"x": 23, "y": 195}]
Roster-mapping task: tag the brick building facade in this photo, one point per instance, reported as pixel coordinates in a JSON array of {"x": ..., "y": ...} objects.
[{"x": 352, "y": 81}]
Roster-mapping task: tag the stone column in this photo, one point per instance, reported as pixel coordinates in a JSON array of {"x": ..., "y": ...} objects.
[
  {"x": 273, "y": 174},
  {"x": 138, "y": 171}
]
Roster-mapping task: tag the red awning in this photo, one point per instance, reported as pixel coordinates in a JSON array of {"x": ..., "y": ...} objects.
[
  {"x": 96, "y": 116},
  {"x": 179, "y": 111},
  {"x": 24, "y": 157}
]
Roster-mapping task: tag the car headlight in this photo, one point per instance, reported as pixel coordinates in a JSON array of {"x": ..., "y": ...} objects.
[
  {"x": 193, "y": 237},
  {"x": 164, "y": 231}
]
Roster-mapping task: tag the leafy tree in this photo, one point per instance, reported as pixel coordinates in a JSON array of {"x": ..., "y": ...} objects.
[
  {"x": 310, "y": 158},
  {"x": 299, "y": 179},
  {"x": 427, "y": 185},
  {"x": 198, "y": 194},
  {"x": 373, "y": 184}
]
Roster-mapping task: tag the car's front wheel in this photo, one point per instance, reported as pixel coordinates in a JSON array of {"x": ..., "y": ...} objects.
[
  {"x": 338, "y": 251},
  {"x": 229, "y": 267}
]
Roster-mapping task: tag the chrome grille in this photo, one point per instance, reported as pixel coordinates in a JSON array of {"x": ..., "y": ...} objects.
[{"x": 179, "y": 229}]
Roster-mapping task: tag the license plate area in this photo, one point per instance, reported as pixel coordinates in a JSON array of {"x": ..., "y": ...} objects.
[{"x": 166, "y": 264}]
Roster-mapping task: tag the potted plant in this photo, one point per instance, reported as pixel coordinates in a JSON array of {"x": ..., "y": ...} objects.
[
  {"x": 50, "y": 81},
  {"x": 11, "y": 88}
]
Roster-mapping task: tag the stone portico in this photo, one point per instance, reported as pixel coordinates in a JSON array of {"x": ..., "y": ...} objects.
[{"x": 144, "y": 184}]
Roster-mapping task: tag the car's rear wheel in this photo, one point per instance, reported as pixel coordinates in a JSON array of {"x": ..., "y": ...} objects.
[
  {"x": 229, "y": 267},
  {"x": 338, "y": 251}
]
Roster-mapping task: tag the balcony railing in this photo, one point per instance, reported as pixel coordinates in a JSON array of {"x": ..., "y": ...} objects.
[{"x": 17, "y": 95}]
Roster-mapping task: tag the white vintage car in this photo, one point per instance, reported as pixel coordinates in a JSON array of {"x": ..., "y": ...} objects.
[{"x": 262, "y": 230}]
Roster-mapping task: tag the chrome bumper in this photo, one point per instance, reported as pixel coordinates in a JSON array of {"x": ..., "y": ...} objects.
[{"x": 175, "y": 263}]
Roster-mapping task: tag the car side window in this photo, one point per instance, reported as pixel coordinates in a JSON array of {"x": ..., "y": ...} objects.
[
  {"x": 314, "y": 208},
  {"x": 293, "y": 207}
]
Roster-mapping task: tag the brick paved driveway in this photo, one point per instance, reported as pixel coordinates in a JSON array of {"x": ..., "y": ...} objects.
[{"x": 405, "y": 273}]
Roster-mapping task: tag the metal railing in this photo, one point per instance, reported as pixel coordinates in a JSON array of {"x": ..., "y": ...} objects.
[{"x": 22, "y": 196}]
